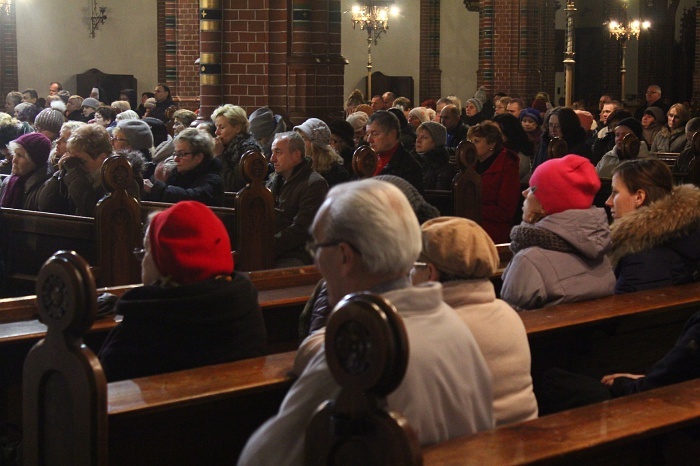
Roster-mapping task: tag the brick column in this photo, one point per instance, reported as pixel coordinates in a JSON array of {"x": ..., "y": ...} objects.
[
  {"x": 8, "y": 53},
  {"x": 430, "y": 72},
  {"x": 485, "y": 73},
  {"x": 210, "y": 37}
]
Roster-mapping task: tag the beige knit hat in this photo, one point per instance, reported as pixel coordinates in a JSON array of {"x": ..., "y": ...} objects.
[{"x": 459, "y": 247}]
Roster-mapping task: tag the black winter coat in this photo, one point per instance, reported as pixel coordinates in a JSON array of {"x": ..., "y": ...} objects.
[{"x": 171, "y": 329}]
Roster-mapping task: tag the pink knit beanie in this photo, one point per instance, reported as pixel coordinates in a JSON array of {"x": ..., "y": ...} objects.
[{"x": 570, "y": 182}]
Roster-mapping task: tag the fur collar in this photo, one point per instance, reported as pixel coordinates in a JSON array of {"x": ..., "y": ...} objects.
[{"x": 651, "y": 226}]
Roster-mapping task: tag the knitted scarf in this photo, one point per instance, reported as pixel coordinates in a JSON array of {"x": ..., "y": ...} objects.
[
  {"x": 525, "y": 235},
  {"x": 13, "y": 192}
]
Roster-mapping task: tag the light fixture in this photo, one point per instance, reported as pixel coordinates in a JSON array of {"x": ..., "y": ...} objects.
[
  {"x": 375, "y": 20},
  {"x": 98, "y": 17},
  {"x": 6, "y": 6},
  {"x": 623, "y": 31}
]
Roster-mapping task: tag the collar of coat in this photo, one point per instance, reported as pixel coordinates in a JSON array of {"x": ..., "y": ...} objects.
[{"x": 648, "y": 227}]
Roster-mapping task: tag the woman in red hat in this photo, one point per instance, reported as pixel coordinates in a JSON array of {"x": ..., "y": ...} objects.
[{"x": 193, "y": 309}]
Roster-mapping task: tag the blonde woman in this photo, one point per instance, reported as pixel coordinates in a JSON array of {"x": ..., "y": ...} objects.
[{"x": 325, "y": 160}]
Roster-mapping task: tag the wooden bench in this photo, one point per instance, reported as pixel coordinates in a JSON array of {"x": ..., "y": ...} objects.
[
  {"x": 28, "y": 238},
  {"x": 106, "y": 241},
  {"x": 669, "y": 158},
  {"x": 464, "y": 200},
  {"x": 659, "y": 426}
]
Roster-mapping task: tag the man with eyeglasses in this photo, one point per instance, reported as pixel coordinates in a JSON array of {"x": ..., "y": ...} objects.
[
  {"x": 366, "y": 237},
  {"x": 653, "y": 99},
  {"x": 299, "y": 192}
]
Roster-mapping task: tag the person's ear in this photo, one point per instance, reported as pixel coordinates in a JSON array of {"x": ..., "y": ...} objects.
[
  {"x": 433, "y": 273},
  {"x": 639, "y": 198}
]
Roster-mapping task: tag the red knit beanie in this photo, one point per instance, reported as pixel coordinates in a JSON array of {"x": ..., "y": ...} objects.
[
  {"x": 189, "y": 243},
  {"x": 570, "y": 182}
]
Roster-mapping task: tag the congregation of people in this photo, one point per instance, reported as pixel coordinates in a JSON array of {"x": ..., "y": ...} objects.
[{"x": 469, "y": 367}]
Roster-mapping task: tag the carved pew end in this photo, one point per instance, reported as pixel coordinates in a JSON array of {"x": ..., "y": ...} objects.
[{"x": 367, "y": 352}]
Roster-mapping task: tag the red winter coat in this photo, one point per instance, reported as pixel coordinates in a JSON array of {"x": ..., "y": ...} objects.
[{"x": 500, "y": 186}]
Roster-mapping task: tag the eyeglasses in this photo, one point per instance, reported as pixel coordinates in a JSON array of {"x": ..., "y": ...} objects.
[
  {"x": 114, "y": 139},
  {"x": 181, "y": 155},
  {"x": 554, "y": 126},
  {"x": 139, "y": 253},
  {"x": 312, "y": 247}
]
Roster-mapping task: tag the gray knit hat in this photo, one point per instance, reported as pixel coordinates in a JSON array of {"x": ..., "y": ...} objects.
[
  {"x": 49, "y": 119},
  {"x": 477, "y": 103},
  {"x": 422, "y": 209},
  {"x": 358, "y": 120},
  {"x": 90, "y": 102},
  {"x": 437, "y": 132},
  {"x": 317, "y": 131},
  {"x": 127, "y": 115},
  {"x": 262, "y": 123},
  {"x": 137, "y": 132}
]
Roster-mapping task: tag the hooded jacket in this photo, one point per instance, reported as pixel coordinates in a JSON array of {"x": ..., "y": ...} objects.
[
  {"x": 611, "y": 159},
  {"x": 658, "y": 245},
  {"x": 668, "y": 140},
  {"x": 541, "y": 275}
]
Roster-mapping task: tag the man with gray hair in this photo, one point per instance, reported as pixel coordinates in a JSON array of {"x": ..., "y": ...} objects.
[
  {"x": 299, "y": 192},
  {"x": 366, "y": 238}
]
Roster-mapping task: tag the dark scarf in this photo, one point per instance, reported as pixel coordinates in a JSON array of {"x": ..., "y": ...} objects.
[
  {"x": 12, "y": 197},
  {"x": 525, "y": 235}
]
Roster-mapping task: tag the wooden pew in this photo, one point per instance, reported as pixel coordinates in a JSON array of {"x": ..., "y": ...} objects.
[
  {"x": 669, "y": 158},
  {"x": 29, "y": 238},
  {"x": 465, "y": 198},
  {"x": 65, "y": 389},
  {"x": 659, "y": 426},
  {"x": 250, "y": 218}
]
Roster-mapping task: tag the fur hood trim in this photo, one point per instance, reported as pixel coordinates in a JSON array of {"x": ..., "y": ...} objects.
[{"x": 648, "y": 227}]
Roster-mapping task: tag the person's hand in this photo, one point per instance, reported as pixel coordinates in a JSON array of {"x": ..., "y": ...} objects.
[
  {"x": 218, "y": 146},
  {"x": 65, "y": 157},
  {"x": 147, "y": 185},
  {"x": 609, "y": 379},
  {"x": 161, "y": 173}
]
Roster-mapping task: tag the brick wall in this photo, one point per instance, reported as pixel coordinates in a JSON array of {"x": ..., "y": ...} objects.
[
  {"x": 429, "y": 62},
  {"x": 8, "y": 54},
  {"x": 516, "y": 47}
]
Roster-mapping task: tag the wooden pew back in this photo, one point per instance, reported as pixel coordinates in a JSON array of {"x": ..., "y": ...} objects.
[
  {"x": 106, "y": 242},
  {"x": 64, "y": 388},
  {"x": 655, "y": 427}
]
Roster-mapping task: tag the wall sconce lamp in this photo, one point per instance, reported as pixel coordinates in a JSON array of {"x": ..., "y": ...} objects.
[
  {"x": 98, "y": 17},
  {"x": 5, "y": 6}
]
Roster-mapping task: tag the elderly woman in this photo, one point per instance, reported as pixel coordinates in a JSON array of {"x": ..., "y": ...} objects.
[
  {"x": 560, "y": 247},
  {"x": 474, "y": 112},
  {"x": 430, "y": 152},
  {"x": 182, "y": 119},
  {"x": 656, "y": 228},
  {"x": 10, "y": 129},
  {"x": 232, "y": 141},
  {"x": 324, "y": 159},
  {"x": 459, "y": 254},
  {"x": 61, "y": 146},
  {"x": 193, "y": 309},
  {"x": 417, "y": 116},
  {"x": 500, "y": 179},
  {"x": 30, "y": 154},
  {"x": 105, "y": 117},
  {"x": 196, "y": 176},
  {"x": 671, "y": 138}
]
